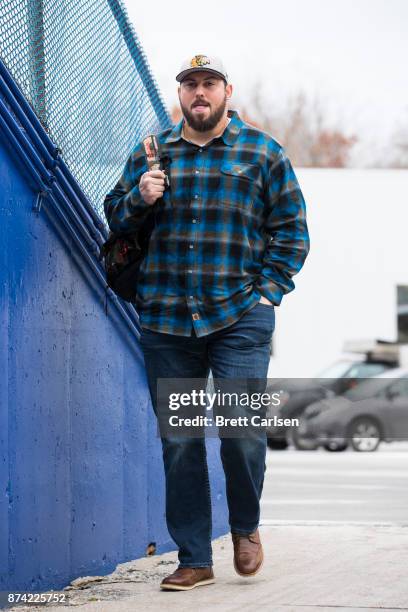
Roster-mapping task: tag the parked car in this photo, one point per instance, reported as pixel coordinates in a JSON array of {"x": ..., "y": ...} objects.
[
  {"x": 300, "y": 393},
  {"x": 376, "y": 410}
]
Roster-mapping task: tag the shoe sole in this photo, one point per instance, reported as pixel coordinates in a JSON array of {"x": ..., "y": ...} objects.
[
  {"x": 252, "y": 573},
  {"x": 177, "y": 587}
]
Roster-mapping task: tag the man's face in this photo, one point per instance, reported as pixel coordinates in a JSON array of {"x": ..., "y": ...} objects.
[{"x": 203, "y": 100}]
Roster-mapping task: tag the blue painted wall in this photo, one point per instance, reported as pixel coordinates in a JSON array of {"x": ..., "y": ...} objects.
[{"x": 81, "y": 477}]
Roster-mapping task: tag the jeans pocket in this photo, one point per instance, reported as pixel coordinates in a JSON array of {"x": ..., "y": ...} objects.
[
  {"x": 265, "y": 314},
  {"x": 272, "y": 306}
]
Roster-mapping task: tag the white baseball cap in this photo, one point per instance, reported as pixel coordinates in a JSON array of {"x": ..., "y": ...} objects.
[{"x": 202, "y": 63}]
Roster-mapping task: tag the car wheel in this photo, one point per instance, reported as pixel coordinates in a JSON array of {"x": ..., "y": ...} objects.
[
  {"x": 332, "y": 447},
  {"x": 365, "y": 435},
  {"x": 277, "y": 444},
  {"x": 302, "y": 444}
]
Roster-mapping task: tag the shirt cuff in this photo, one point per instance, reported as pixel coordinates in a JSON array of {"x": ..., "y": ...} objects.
[
  {"x": 269, "y": 290},
  {"x": 136, "y": 200}
]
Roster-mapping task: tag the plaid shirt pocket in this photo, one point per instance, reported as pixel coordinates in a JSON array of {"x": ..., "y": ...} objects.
[{"x": 239, "y": 184}]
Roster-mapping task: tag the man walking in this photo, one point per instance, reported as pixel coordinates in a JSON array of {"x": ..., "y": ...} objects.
[{"x": 230, "y": 233}]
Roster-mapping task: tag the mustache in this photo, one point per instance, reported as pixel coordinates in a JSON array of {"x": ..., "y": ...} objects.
[{"x": 199, "y": 104}]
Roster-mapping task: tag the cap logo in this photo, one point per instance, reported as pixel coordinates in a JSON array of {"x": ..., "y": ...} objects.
[{"x": 199, "y": 60}]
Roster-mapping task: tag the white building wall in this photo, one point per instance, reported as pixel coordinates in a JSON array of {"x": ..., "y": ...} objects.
[{"x": 358, "y": 223}]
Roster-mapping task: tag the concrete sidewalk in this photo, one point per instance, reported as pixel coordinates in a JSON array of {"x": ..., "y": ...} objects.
[{"x": 322, "y": 567}]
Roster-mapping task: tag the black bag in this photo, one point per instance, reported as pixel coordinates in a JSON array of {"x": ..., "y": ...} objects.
[{"x": 123, "y": 253}]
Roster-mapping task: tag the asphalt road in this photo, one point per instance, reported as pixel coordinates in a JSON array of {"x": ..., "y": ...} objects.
[{"x": 318, "y": 486}]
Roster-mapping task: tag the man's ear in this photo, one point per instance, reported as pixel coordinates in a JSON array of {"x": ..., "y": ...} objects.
[{"x": 228, "y": 90}]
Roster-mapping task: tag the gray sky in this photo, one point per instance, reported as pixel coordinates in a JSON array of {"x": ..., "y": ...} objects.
[{"x": 352, "y": 53}]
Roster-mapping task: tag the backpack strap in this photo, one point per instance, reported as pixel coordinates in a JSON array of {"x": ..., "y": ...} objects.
[{"x": 154, "y": 156}]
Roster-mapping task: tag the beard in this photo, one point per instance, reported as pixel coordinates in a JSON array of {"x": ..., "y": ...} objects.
[{"x": 200, "y": 124}]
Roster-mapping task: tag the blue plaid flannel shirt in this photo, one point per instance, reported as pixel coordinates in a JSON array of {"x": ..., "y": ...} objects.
[{"x": 231, "y": 227}]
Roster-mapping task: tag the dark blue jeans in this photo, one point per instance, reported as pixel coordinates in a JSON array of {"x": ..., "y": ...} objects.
[{"x": 239, "y": 350}]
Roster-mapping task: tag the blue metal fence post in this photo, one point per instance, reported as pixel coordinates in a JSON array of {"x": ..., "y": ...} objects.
[
  {"x": 36, "y": 38},
  {"x": 140, "y": 60}
]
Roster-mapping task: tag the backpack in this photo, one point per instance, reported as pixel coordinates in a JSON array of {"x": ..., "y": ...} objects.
[{"x": 124, "y": 252}]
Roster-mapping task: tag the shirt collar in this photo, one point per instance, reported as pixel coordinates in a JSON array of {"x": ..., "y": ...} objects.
[
  {"x": 229, "y": 135},
  {"x": 233, "y": 129}
]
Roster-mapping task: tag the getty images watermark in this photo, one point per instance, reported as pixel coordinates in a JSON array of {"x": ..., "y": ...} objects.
[
  {"x": 219, "y": 399},
  {"x": 236, "y": 407}
]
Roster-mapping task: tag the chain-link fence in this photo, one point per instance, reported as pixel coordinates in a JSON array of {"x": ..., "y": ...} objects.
[{"x": 82, "y": 68}]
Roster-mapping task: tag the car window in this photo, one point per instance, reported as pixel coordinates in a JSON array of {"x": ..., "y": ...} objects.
[
  {"x": 363, "y": 370},
  {"x": 399, "y": 388},
  {"x": 368, "y": 388},
  {"x": 336, "y": 370}
]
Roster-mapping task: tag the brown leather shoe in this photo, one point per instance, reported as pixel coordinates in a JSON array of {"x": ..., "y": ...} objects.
[
  {"x": 248, "y": 553},
  {"x": 186, "y": 578}
]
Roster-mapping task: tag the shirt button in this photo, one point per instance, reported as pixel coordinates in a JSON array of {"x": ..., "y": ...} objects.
[
  {"x": 191, "y": 246},
  {"x": 196, "y": 197},
  {"x": 191, "y": 297},
  {"x": 197, "y": 172},
  {"x": 194, "y": 220},
  {"x": 200, "y": 150},
  {"x": 190, "y": 271}
]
